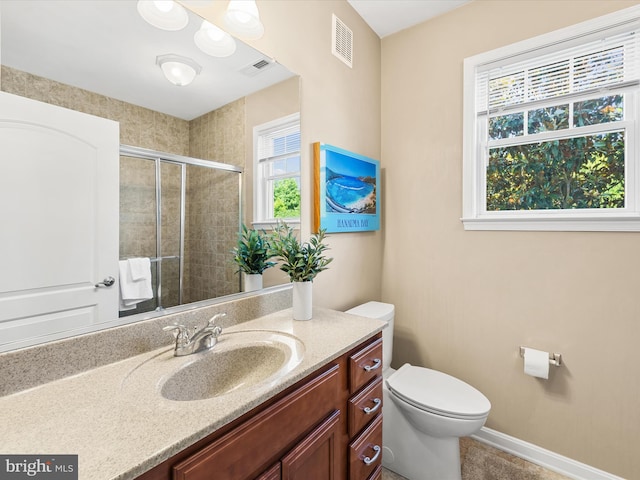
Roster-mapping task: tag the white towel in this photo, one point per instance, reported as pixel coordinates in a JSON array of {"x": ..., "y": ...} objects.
[
  {"x": 133, "y": 291},
  {"x": 140, "y": 268}
]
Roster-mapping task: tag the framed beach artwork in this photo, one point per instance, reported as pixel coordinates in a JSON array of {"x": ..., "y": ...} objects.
[{"x": 346, "y": 190}]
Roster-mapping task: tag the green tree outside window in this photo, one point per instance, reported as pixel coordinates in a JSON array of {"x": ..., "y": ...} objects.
[
  {"x": 286, "y": 198},
  {"x": 583, "y": 172}
]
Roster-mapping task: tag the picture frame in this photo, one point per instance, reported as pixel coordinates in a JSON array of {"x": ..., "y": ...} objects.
[{"x": 346, "y": 190}]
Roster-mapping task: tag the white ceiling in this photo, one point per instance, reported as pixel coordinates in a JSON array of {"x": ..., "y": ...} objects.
[
  {"x": 104, "y": 46},
  {"x": 390, "y": 16}
]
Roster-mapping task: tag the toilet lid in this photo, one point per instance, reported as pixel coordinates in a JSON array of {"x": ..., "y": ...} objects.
[
  {"x": 379, "y": 310},
  {"x": 438, "y": 393}
]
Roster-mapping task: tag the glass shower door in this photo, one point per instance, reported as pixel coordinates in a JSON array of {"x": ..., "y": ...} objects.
[
  {"x": 169, "y": 251},
  {"x": 138, "y": 216}
]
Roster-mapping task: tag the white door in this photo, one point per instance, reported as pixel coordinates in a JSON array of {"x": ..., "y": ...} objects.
[{"x": 58, "y": 221}]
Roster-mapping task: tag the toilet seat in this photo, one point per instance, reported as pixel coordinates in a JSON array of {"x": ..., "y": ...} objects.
[{"x": 438, "y": 393}]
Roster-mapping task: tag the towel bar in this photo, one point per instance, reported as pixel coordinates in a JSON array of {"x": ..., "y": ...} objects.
[{"x": 158, "y": 259}]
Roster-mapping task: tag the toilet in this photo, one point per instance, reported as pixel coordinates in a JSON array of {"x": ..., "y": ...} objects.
[{"x": 425, "y": 412}]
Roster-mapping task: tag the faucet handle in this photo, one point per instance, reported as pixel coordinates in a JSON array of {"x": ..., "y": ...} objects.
[
  {"x": 213, "y": 319},
  {"x": 181, "y": 333}
]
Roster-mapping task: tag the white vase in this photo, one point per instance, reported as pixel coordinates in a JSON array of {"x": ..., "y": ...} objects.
[
  {"x": 302, "y": 300},
  {"x": 252, "y": 282}
]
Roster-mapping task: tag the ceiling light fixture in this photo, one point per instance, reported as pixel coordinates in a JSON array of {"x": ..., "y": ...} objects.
[
  {"x": 214, "y": 41},
  {"x": 179, "y": 70},
  {"x": 243, "y": 19},
  {"x": 163, "y": 14}
]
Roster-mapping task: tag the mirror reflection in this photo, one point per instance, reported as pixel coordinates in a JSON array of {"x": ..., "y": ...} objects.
[
  {"x": 182, "y": 196},
  {"x": 178, "y": 218}
]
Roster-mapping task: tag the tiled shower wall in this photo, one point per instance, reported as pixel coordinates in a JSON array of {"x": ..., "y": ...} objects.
[
  {"x": 218, "y": 135},
  {"x": 145, "y": 128},
  {"x": 138, "y": 126}
]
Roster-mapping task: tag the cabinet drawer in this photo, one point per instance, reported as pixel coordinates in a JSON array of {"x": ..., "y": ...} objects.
[
  {"x": 364, "y": 406},
  {"x": 243, "y": 452},
  {"x": 364, "y": 365},
  {"x": 377, "y": 475},
  {"x": 365, "y": 452}
]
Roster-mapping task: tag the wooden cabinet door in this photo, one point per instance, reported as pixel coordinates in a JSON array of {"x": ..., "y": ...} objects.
[
  {"x": 250, "y": 448},
  {"x": 274, "y": 473},
  {"x": 315, "y": 457}
]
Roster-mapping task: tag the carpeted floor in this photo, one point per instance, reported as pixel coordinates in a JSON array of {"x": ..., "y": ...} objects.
[
  {"x": 389, "y": 475},
  {"x": 481, "y": 462}
]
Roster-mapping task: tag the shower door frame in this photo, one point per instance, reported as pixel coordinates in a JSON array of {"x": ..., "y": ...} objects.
[{"x": 181, "y": 160}]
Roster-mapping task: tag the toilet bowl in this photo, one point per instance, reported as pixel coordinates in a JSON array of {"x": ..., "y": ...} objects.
[{"x": 425, "y": 412}]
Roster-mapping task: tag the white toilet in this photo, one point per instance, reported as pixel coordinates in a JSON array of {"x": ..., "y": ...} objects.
[{"x": 425, "y": 412}]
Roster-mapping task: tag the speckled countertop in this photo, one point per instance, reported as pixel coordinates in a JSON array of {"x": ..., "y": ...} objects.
[{"x": 121, "y": 428}]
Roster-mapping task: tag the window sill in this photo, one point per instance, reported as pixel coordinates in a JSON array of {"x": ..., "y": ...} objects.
[{"x": 619, "y": 223}]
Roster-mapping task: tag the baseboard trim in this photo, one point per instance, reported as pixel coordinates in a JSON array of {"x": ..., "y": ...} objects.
[{"x": 540, "y": 456}]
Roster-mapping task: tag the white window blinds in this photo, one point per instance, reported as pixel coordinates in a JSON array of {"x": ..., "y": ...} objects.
[
  {"x": 608, "y": 60},
  {"x": 279, "y": 143}
]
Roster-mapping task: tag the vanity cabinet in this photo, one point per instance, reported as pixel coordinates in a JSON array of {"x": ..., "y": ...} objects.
[
  {"x": 365, "y": 412},
  {"x": 316, "y": 429},
  {"x": 315, "y": 456}
]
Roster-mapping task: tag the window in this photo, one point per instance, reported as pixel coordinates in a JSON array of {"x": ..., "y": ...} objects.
[
  {"x": 551, "y": 131},
  {"x": 277, "y": 171}
]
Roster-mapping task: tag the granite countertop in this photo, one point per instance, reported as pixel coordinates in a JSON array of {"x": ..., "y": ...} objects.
[{"x": 120, "y": 429}]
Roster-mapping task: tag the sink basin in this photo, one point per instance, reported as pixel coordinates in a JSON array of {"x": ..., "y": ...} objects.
[
  {"x": 218, "y": 373},
  {"x": 240, "y": 360}
]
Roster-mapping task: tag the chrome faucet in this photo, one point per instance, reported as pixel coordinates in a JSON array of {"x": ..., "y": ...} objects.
[{"x": 200, "y": 339}]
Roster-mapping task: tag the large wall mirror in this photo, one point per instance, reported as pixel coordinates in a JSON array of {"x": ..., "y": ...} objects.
[{"x": 186, "y": 151}]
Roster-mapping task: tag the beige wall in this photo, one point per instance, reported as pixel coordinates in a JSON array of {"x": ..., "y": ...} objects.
[
  {"x": 466, "y": 300},
  {"x": 264, "y": 106},
  {"x": 339, "y": 106}
]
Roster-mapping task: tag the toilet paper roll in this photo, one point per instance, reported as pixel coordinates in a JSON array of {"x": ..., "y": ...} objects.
[{"x": 536, "y": 363}]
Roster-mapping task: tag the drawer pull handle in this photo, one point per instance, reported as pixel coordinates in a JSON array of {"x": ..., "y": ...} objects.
[
  {"x": 369, "y": 461},
  {"x": 376, "y": 364},
  {"x": 377, "y": 405}
]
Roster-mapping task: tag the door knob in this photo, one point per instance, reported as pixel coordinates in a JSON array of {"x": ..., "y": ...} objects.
[{"x": 107, "y": 282}]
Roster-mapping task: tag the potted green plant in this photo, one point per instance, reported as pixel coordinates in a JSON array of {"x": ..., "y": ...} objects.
[
  {"x": 252, "y": 255},
  {"x": 302, "y": 261}
]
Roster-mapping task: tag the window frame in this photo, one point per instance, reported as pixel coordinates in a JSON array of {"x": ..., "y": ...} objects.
[
  {"x": 262, "y": 194},
  {"x": 475, "y": 152}
]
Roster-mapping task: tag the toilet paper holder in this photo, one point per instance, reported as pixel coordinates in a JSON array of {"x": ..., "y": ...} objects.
[{"x": 555, "y": 359}]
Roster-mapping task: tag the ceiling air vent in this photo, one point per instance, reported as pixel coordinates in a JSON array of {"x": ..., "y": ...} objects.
[
  {"x": 342, "y": 41},
  {"x": 257, "y": 67},
  {"x": 261, "y": 64}
]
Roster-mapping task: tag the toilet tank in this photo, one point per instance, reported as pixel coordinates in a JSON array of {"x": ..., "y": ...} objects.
[{"x": 386, "y": 313}]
